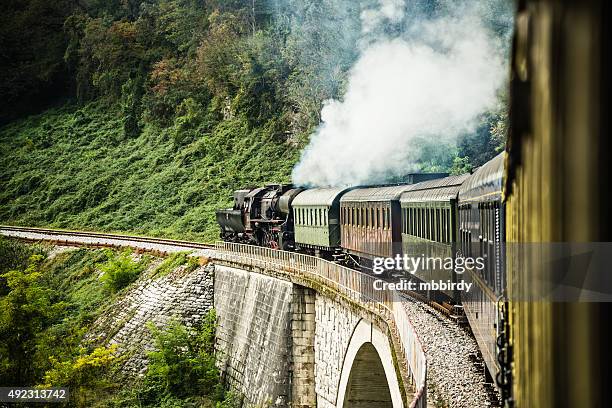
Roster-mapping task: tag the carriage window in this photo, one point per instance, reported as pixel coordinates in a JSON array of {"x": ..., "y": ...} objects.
[
  {"x": 388, "y": 218},
  {"x": 385, "y": 218},
  {"x": 375, "y": 212},
  {"x": 426, "y": 223},
  {"x": 443, "y": 225},
  {"x": 439, "y": 225},
  {"x": 409, "y": 220},
  {"x": 448, "y": 225},
  {"x": 434, "y": 224},
  {"x": 422, "y": 223},
  {"x": 430, "y": 223}
]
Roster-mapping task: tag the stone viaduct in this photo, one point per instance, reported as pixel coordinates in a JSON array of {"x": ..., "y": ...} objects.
[
  {"x": 293, "y": 330},
  {"x": 298, "y": 336}
]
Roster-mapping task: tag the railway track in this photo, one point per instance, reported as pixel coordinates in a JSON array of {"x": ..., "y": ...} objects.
[{"x": 97, "y": 239}]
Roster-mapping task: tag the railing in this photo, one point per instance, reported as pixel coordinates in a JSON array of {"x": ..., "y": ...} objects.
[{"x": 352, "y": 284}]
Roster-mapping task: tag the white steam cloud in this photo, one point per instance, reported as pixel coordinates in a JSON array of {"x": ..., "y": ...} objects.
[{"x": 432, "y": 81}]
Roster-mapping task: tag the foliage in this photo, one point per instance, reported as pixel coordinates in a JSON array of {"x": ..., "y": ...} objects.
[
  {"x": 169, "y": 264},
  {"x": 25, "y": 311},
  {"x": 32, "y": 69},
  {"x": 71, "y": 168},
  {"x": 87, "y": 375},
  {"x": 173, "y": 104},
  {"x": 461, "y": 165},
  {"x": 45, "y": 309},
  {"x": 183, "y": 363},
  {"x": 121, "y": 270},
  {"x": 181, "y": 370},
  {"x": 46, "y": 313},
  {"x": 14, "y": 256}
]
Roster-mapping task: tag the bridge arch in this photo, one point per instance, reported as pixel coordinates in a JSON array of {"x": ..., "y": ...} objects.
[{"x": 368, "y": 376}]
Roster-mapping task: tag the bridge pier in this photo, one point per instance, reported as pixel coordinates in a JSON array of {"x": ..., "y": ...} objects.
[{"x": 303, "y": 347}]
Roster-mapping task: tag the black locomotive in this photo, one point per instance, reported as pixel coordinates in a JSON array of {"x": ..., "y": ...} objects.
[{"x": 260, "y": 216}]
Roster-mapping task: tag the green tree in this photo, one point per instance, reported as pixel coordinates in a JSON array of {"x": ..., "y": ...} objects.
[
  {"x": 25, "y": 312},
  {"x": 183, "y": 362}
]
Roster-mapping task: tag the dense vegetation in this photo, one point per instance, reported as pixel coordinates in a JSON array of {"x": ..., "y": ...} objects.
[
  {"x": 157, "y": 110},
  {"x": 47, "y": 304}
]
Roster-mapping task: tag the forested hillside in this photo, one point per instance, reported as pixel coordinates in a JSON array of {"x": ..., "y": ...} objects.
[{"x": 143, "y": 116}]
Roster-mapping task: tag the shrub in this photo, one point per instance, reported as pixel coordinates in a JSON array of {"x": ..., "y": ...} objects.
[
  {"x": 183, "y": 363},
  {"x": 120, "y": 270},
  {"x": 87, "y": 375}
]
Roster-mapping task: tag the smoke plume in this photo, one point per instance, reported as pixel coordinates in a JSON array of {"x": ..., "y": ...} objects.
[{"x": 427, "y": 78}]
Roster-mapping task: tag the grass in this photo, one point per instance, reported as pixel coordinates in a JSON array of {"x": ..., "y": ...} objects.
[{"x": 73, "y": 167}]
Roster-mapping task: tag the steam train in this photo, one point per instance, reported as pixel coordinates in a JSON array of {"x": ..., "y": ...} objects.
[
  {"x": 433, "y": 218},
  {"x": 547, "y": 354}
]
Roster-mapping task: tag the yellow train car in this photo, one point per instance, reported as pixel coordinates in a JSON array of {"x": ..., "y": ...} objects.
[{"x": 557, "y": 166}]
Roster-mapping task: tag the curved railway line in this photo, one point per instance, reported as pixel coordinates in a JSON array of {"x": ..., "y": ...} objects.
[{"x": 99, "y": 239}]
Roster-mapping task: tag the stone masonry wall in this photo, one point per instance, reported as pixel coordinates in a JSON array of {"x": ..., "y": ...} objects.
[
  {"x": 334, "y": 326},
  {"x": 303, "y": 347},
  {"x": 254, "y": 335},
  {"x": 184, "y": 296}
]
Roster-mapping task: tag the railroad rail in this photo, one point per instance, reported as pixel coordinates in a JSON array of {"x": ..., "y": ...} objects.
[
  {"x": 353, "y": 285},
  {"x": 100, "y": 239}
]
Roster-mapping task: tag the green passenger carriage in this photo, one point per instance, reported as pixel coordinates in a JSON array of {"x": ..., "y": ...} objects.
[{"x": 317, "y": 219}]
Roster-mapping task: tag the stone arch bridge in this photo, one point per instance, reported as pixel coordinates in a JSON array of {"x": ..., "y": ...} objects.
[
  {"x": 293, "y": 330},
  {"x": 329, "y": 339}
]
